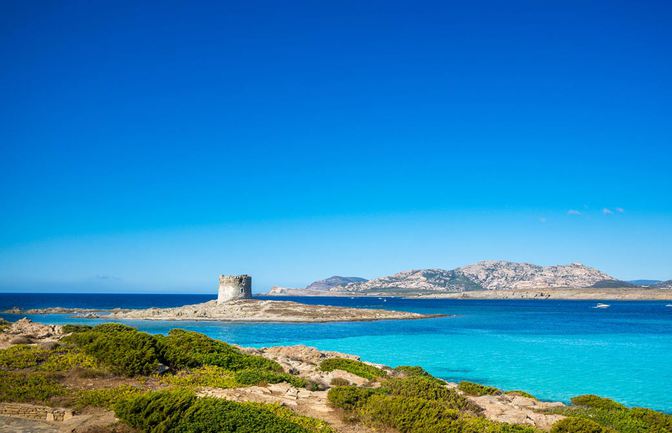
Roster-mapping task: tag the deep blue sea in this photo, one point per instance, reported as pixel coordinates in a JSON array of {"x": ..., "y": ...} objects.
[{"x": 553, "y": 349}]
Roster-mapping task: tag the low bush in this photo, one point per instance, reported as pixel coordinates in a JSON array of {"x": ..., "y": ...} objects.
[
  {"x": 68, "y": 329},
  {"x": 22, "y": 356},
  {"x": 521, "y": 394},
  {"x": 67, "y": 358},
  {"x": 350, "y": 397},
  {"x": 429, "y": 389},
  {"x": 31, "y": 387},
  {"x": 614, "y": 417},
  {"x": 357, "y": 368},
  {"x": 155, "y": 412},
  {"x": 261, "y": 377},
  {"x": 419, "y": 415},
  {"x": 577, "y": 425},
  {"x": 123, "y": 349},
  {"x": 208, "y": 375},
  {"x": 210, "y": 415},
  {"x": 476, "y": 389},
  {"x": 186, "y": 349},
  {"x": 105, "y": 397},
  {"x": 179, "y": 411},
  {"x": 313, "y": 425},
  {"x": 409, "y": 414},
  {"x": 597, "y": 402}
]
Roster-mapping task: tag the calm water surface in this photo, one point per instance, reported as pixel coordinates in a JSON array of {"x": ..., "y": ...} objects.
[{"x": 553, "y": 349}]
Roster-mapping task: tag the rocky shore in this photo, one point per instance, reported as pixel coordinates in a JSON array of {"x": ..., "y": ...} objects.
[
  {"x": 244, "y": 310},
  {"x": 301, "y": 361}
]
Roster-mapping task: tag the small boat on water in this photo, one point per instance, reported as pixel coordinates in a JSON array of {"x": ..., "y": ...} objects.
[
  {"x": 668, "y": 305},
  {"x": 600, "y": 305}
]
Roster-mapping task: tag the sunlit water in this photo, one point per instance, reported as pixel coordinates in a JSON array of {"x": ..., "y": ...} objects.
[{"x": 553, "y": 349}]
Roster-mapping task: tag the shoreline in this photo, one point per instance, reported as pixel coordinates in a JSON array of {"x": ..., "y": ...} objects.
[{"x": 615, "y": 294}]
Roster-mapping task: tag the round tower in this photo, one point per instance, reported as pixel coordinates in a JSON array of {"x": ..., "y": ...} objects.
[{"x": 234, "y": 287}]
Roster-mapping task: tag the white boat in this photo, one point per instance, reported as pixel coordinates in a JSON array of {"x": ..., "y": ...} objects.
[
  {"x": 668, "y": 305},
  {"x": 600, "y": 305}
]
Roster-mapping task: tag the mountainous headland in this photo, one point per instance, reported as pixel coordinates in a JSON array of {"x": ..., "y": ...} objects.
[{"x": 494, "y": 280}]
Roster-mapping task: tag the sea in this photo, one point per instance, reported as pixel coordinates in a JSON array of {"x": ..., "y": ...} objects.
[{"x": 553, "y": 349}]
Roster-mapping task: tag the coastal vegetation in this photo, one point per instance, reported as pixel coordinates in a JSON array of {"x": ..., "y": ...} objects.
[
  {"x": 416, "y": 404},
  {"x": 154, "y": 383},
  {"x": 355, "y": 367},
  {"x": 476, "y": 389},
  {"x": 588, "y": 412}
]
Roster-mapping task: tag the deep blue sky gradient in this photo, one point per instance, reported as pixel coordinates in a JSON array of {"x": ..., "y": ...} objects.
[{"x": 153, "y": 145}]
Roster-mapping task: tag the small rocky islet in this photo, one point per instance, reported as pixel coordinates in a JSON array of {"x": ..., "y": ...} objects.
[{"x": 235, "y": 303}]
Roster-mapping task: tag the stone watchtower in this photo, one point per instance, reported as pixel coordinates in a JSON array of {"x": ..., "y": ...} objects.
[{"x": 234, "y": 287}]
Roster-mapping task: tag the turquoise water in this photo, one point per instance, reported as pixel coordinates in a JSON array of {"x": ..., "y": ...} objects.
[{"x": 553, "y": 349}]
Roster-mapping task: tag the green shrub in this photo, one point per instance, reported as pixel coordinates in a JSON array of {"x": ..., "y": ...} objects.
[
  {"x": 187, "y": 349},
  {"x": 22, "y": 356},
  {"x": 357, "y": 368},
  {"x": 614, "y": 417},
  {"x": 521, "y": 394},
  {"x": 211, "y": 415},
  {"x": 409, "y": 414},
  {"x": 339, "y": 381},
  {"x": 577, "y": 425},
  {"x": 350, "y": 397},
  {"x": 313, "y": 425},
  {"x": 429, "y": 389},
  {"x": 261, "y": 377},
  {"x": 482, "y": 425},
  {"x": 68, "y": 358},
  {"x": 208, "y": 375},
  {"x": 68, "y": 329},
  {"x": 155, "y": 412},
  {"x": 31, "y": 387},
  {"x": 105, "y": 397},
  {"x": 596, "y": 402},
  {"x": 179, "y": 411},
  {"x": 123, "y": 349},
  {"x": 476, "y": 389},
  {"x": 407, "y": 370}
]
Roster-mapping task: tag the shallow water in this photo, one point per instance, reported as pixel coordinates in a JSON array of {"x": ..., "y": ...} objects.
[{"x": 553, "y": 349}]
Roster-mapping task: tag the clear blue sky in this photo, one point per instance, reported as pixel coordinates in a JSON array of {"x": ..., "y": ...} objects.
[{"x": 153, "y": 145}]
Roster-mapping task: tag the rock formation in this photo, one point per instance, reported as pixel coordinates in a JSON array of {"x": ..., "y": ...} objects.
[{"x": 485, "y": 275}]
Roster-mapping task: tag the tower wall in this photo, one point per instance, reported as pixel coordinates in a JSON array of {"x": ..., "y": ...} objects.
[{"x": 234, "y": 287}]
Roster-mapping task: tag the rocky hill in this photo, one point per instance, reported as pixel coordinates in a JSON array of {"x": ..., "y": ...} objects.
[
  {"x": 416, "y": 281},
  {"x": 334, "y": 281},
  {"x": 502, "y": 275},
  {"x": 663, "y": 285},
  {"x": 485, "y": 275}
]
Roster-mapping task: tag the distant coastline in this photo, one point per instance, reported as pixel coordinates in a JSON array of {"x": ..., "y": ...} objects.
[{"x": 616, "y": 294}]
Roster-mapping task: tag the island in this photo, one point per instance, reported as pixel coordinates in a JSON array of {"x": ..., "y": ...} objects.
[{"x": 235, "y": 304}]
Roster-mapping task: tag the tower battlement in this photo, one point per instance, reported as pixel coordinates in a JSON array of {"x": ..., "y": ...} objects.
[{"x": 234, "y": 287}]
